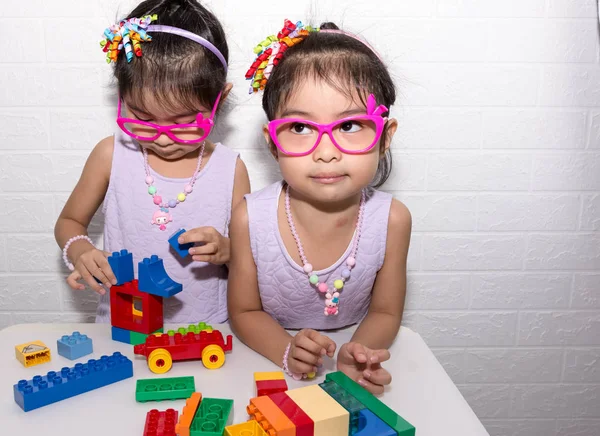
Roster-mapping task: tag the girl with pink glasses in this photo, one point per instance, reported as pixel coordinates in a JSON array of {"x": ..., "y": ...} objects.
[
  {"x": 159, "y": 173},
  {"x": 323, "y": 248}
]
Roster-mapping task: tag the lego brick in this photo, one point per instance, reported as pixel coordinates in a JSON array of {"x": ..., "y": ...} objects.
[
  {"x": 74, "y": 346},
  {"x": 131, "y": 309},
  {"x": 270, "y": 417},
  {"x": 266, "y": 387},
  {"x": 188, "y": 413},
  {"x": 139, "y": 338},
  {"x": 32, "y": 353},
  {"x": 248, "y": 428},
  {"x": 180, "y": 249},
  {"x": 160, "y": 423},
  {"x": 304, "y": 424},
  {"x": 370, "y": 425},
  {"x": 194, "y": 328},
  {"x": 153, "y": 278},
  {"x": 121, "y": 263},
  {"x": 157, "y": 389},
  {"x": 347, "y": 401},
  {"x": 387, "y": 415},
  {"x": 273, "y": 375},
  {"x": 212, "y": 417},
  {"x": 329, "y": 417},
  {"x": 120, "y": 335},
  {"x": 162, "y": 350},
  {"x": 69, "y": 382}
]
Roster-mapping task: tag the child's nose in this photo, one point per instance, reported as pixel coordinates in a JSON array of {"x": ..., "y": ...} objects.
[{"x": 326, "y": 150}]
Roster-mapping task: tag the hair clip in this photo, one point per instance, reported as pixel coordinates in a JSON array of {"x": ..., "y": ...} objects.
[
  {"x": 127, "y": 34},
  {"x": 270, "y": 51}
]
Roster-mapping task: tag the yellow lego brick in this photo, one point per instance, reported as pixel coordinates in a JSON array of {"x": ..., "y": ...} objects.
[
  {"x": 329, "y": 417},
  {"x": 248, "y": 428},
  {"x": 273, "y": 375},
  {"x": 32, "y": 353}
]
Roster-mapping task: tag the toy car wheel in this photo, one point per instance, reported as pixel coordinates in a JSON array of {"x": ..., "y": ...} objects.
[
  {"x": 160, "y": 361},
  {"x": 213, "y": 357}
]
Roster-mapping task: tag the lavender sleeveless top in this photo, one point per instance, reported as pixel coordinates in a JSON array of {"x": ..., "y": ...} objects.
[
  {"x": 128, "y": 210},
  {"x": 285, "y": 292}
]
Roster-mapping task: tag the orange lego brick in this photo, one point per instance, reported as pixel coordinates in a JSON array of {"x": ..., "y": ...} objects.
[
  {"x": 272, "y": 420},
  {"x": 273, "y": 375},
  {"x": 187, "y": 415},
  {"x": 329, "y": 417}
]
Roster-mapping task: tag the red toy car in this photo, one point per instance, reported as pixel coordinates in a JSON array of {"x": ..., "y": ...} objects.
[{"x": 162, "y": 349}]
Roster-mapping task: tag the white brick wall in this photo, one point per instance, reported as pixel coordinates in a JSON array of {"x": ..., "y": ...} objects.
[{"x": 497, "y": 156}]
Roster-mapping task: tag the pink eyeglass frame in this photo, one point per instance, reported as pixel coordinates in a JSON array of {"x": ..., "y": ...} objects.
[
  {"x": 373, "y": 114},
  {"x": 205, "y": 124}
]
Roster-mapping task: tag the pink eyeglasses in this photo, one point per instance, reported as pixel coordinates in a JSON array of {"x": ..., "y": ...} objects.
[
  {"x": 182, "y": 133},
  {"x": 351, "y": 135}
]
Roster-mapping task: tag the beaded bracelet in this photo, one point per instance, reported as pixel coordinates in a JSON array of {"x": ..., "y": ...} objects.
[
  {"x": 68, "y": 244},
  {"x": 294, "y": 375}
]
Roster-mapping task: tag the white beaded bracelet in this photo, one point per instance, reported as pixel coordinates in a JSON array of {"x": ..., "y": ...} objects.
[{"x": 68, "y": 244}]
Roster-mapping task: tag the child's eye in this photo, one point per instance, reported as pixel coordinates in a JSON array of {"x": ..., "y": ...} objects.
[
  {"x": 350, "y": 126},
  {"x": 300, "y": 129}
]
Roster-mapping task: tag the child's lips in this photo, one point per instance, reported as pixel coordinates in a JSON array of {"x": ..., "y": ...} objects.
[{"x": 328, "y": 177}]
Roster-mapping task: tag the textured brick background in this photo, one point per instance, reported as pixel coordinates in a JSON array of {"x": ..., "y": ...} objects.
[{"x": 498, "y": 158}]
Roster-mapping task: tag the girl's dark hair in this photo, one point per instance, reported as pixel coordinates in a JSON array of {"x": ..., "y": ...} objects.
[
  {"x": 345, "y": 64},
  {"x": 178, "y": 72}
]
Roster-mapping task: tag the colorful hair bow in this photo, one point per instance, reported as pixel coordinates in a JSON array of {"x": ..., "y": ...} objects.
[
  {"x": 270, "y": 51},
  {"x": 127, "y": 34}
]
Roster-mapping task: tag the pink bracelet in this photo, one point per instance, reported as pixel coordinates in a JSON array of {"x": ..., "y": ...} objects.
[
  {"x": 294, "y": 375},
  {"x": 68, "y": 244}
]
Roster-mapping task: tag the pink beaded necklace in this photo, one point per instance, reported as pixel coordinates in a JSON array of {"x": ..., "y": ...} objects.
[
  {"x": 332, "y": 300},
  {"x": 161, "y": 217}
]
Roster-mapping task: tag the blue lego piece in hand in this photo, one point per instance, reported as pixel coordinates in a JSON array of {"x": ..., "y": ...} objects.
[
  {"x": 74, "y": 346},
  {"x": 153, "y": 279},
  {"x": 121, "y": 263},
  {"x": 69, "y": 382},
  {"x": 181, "y": 249}
]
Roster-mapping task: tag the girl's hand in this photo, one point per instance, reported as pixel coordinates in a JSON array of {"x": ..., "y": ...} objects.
[
  {"x": 307, "y": 351},
  {"x": 363, "y": 365},
  {"x": 211, "y": 246},
  {"x": 92, "y": 266}
]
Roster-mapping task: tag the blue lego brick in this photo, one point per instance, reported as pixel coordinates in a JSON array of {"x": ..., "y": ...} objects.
[
  {"x": 181, "y": 249},
  {"x": 74, "y": 346},
  {"x": 370, "y": 425},
  {"x": 153, "y": 279},
  {"x": 121, "y": 335},
  {"x": 121, "y": 263},
  {"x": 69, "y": 382}
]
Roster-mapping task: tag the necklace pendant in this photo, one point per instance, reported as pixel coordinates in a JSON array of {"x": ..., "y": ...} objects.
[{"x": 161, "y": 218}]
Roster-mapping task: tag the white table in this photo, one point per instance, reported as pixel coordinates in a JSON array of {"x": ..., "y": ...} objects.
[{"x": 421, "y": 391}]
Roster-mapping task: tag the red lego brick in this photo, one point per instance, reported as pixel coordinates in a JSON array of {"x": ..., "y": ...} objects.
[
  {"x": 304, "y": 425},
  {"x": 160, "y": 423},
  {"x": 266, "y": 387},
  {"x": 144, "y": 317}
]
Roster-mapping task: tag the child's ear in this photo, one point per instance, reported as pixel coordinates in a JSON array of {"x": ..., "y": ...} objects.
[
  {"x": 388, "y": 134},
  {"x": 225, "y": 91},
  {"x": 272, "y": 147}
]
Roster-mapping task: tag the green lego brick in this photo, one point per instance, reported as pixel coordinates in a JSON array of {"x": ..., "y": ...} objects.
[
  {"x": 136, "y": 338},
  {"x": 387, "y": 415},
  {"x": 347, "y": 401},
  {"x": 157, "y": 389},
  {"x": 195, "y": 328},
  {"x": 211, "y": 417}
]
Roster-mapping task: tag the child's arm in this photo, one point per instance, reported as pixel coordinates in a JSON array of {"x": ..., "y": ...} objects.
[
  {"x": 361, "y": 358},
  {"x": 251, "y": 324},
  {"x": 380, "y": 327},
  {"x": 78, "y": 212},
  {"x": 216, "y": 247}
]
